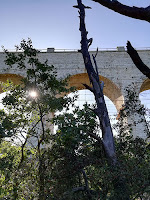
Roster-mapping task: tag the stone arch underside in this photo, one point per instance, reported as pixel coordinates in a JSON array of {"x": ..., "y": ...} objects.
[
  {"x": 145, "y": 85},
  {"x": 16, "y": 79},
  {"x": 110, "y": 89}
]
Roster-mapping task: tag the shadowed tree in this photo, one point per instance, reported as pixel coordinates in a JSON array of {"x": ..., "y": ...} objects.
[
  {"x": 96, "y": 89},
  {"x": 137, "y": 60},
  {"x": 101, "y": 109},
  {"x": 27, "y": 117}
]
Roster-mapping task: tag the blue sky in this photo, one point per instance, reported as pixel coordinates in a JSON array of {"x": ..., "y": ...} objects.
[{"x": 55, "y": 23}]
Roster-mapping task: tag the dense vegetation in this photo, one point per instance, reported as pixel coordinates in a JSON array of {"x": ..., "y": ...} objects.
[{"x": 68, "y": 164}]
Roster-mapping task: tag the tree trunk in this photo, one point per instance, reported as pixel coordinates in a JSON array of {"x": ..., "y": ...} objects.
[
  {"x": 101, "y": 110},
  {"x": 41, "y": 178}
]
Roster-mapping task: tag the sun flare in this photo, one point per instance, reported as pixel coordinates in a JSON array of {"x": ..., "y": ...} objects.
[{"x": 33, "y": 94}]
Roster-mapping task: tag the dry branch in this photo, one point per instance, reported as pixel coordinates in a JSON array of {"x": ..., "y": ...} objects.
[
  {"x": 133, "y": 12},
  {"x": 137, "y": 60},
  {"x": 101, "y": 110}
]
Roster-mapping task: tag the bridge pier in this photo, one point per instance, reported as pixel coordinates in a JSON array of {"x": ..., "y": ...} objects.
[{"x": 135, "y": 112}]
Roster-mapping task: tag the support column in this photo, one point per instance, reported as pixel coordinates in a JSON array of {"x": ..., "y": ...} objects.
[{"x": 136, "y": 121}]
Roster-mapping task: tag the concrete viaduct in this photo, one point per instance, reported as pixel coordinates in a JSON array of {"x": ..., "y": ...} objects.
[{"x": 116, "y": 69}]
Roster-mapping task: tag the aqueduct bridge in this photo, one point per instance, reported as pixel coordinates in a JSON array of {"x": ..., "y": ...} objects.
[{"x": 115, "y": 68}]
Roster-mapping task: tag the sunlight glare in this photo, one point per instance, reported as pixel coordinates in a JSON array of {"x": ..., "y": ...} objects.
[{"x": 33, "y": 94}]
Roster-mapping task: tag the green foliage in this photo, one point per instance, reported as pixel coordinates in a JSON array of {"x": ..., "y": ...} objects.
[
  {"x": 17, "y": 182},
  {"x": 74, "y": 151},
  {"x": 69, "y": 164},
  {"x": 41, "y": 78},
  {"x": 28, "y": 120}
]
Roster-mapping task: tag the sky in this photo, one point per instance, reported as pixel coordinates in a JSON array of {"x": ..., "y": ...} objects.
[{"x": 55, "y": 23}]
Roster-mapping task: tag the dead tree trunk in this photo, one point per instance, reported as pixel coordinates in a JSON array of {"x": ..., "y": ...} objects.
[
  {"x": 97, "y": 89},
  {"x": 101, "y": 110}
]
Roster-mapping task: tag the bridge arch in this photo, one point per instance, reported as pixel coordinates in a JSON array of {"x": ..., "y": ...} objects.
[
  {"x": 110, "y": 89},
  {"x": 145, "y": 85},
  {"x": 144, "y": 96},
  {"x": 16, "y": 79}
]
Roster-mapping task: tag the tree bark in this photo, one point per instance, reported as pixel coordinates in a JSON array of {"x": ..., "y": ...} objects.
[
  {"x": 133, "y": 12},
  {"x": 137, "y": 60},
  {"x": 41, "y": 178},
  {"x": 101, "y": 110}
]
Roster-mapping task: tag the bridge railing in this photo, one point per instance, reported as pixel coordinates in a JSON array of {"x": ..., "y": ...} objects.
[{"x": 51, "y": 50}]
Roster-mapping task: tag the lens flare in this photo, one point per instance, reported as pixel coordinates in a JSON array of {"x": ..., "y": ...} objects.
[{"x": 33, "y": 94}]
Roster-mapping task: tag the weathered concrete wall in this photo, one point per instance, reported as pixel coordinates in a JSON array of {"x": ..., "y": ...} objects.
[{"x": 116, "y": 69}]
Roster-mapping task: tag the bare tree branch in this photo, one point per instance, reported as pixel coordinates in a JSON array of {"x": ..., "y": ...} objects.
[
  {"x": 86, "y": 185},
  {"x": 22, "y": 152},
  {"x": 88, "y": 87},
  {"x": 101, "y": 110},
  {"x": 95, "y": 137},
  {"x": 137, "y": 60},
  {"x": 94, "y": 59},
  {"x": 133, "y": 12}
]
